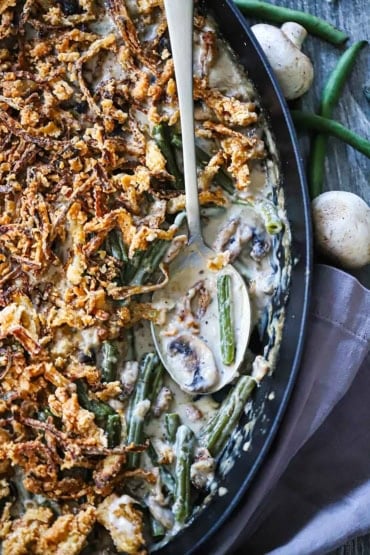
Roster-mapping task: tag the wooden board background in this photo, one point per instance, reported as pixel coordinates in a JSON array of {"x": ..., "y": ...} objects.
[{"x": 346, "y": 169}]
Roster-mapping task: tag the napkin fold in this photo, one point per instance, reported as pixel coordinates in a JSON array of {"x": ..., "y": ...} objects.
[{"x": 313, "y": 493}]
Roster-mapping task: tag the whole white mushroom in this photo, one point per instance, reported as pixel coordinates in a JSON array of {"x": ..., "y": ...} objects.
[
  {"x": 341, "y": 223},
  {"x": 292, "y": 68}
]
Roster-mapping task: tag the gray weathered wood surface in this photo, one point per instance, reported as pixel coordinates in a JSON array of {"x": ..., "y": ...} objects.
[{"x": 346, "y": 169}]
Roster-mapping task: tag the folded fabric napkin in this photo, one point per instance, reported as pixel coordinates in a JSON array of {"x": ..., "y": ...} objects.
[{"x": 313, "y": 493}]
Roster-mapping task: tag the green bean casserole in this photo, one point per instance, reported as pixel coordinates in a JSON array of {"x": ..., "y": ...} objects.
[{"x": 100, "y": 450}]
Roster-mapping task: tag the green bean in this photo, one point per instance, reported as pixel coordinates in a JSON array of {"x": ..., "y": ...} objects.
[
  {"x": 219, "y": 428},
  {"x": 338, "y": 78},
  {"x": 113, "y": 430},
  {"x": 167, "y": 480},
  {"x": 105, "y": 416},
  {"x": 44, "y": 414},
  {"x": 221, "y": 178},
  {"x": 279, "y": 14},
  {"x": 116, "y": 246},
  {"x": 150, "y": 262},
  {"x": 156, "y": 528},
  {"x": 133, "y": 265},
  {"x": 130, "y": 344},
  {"x": 331, "y": 127},
  {"x": 184, "y": 450},
  {"x": 172, "y": 422},
  {"x": 149, "y": 369},
  {"x": 161, "y": 135},
  {"x": 165, "y": 476},
  {"x": 110, "y": 355},
  {"x": 330, "y": 96},
  {"x": 272, "y": 221},
  {"x": 227, "y": 338}
]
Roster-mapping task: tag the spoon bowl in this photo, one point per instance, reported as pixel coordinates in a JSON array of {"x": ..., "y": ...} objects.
[
  {"x": 192, "y": 341},
  {"x": 190, "y": 346}
]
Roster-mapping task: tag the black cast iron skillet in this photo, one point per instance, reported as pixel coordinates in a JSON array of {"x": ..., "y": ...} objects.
[{"x": 209, "y": 530}]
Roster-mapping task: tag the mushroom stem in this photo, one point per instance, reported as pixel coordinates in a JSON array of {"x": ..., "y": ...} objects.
[{"x": 295, "y": 33}]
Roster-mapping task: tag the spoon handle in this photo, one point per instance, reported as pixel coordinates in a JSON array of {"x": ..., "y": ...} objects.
[{"x": 180, "y": 26}]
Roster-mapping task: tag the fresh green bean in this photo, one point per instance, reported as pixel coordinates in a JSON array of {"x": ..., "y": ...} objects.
[
  {"x": 330, "y": 96},
  {"x": 272, "y": 221},
  {"x": 105, "y": 416},
  {"x": 331, "y": 127},
  {"x": 161, "y": 135},
  {"x": 339, "y": 77},
  {"x": 149, "y": 371},
  {"x": 184, "y": 450},
  {"x": 110, "y": 355},
  {"x": 227, "y": 337},
  {"x": 279, "y": 14},
  {"x": 219, "y": 428},
  {"x": 172, "y": 422}
]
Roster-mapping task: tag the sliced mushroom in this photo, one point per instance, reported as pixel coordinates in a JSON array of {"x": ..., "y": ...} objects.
[{"x": 192, "y": 364}]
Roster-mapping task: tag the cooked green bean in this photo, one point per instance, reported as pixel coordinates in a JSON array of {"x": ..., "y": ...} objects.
[
  {"x": 150, "y": 261},
  {"x": 167, "y": 480},
  {"x": 221, "y": 178},
  {"x": 109, "y": 361},
  {"x": 156, "y": 528},
  {"x": 227, "y": 336},
  {"x": 44, "y": 414},
  {"x": 218, "y": 430},
  {"x": 331, "y": 127},
  {"x": 279, "y": 14},
  {"x": 272, "y": 221},
  {"x": 330, "y": 96},
  {"x": 113, "y": 430},
  {"x": 105, "y": 416},
  {"x": 183, "y": 450},
  {"x": 165, "y": 476},
  {"x": 161, "y": 135},
  {"x": 116, "y": 246},
  {"x": 130, "y": 345},
  {"x": 149, "y": 371},
  {"x": 172, "y": 422}
]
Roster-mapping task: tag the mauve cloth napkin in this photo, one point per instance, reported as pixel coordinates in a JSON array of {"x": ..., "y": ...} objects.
[{"x": 313, "y": 493}]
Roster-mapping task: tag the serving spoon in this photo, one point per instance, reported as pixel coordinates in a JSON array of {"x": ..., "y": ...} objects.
[{"x": 190, "y": 350}]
